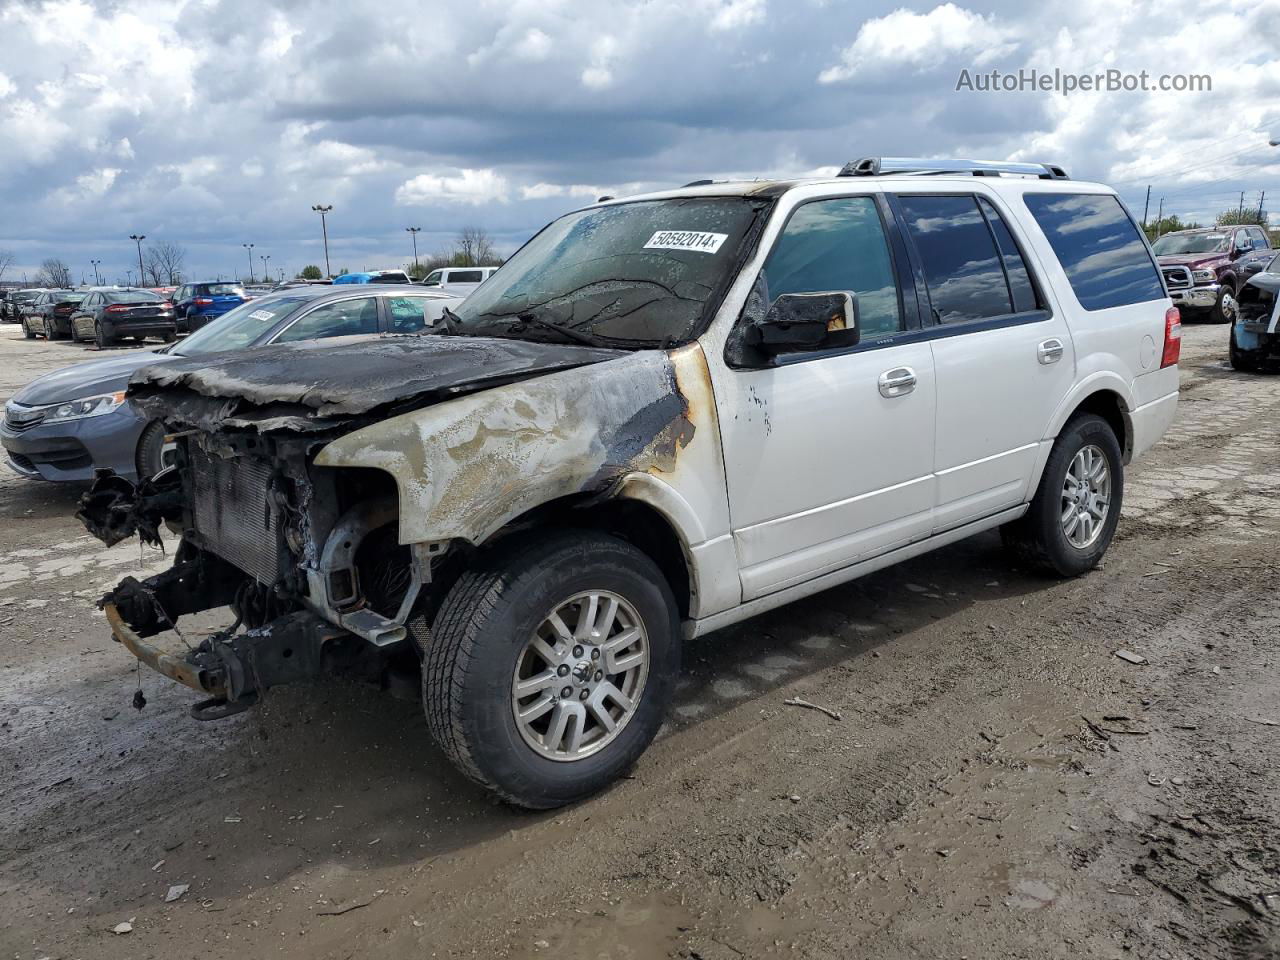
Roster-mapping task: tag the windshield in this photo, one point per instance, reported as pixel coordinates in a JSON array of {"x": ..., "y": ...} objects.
[
  {"x": 1191, "y": 243},
  {"x": 241, "y": 327},
  {"x": 646, "y": 271}
]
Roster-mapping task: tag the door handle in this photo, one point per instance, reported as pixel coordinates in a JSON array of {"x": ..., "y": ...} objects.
[
  {"x": 1050, "y": 351},
  {"x": 897, "y": 382}
]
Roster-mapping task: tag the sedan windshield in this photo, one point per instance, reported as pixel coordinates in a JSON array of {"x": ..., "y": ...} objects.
[
  {"x": 1191, "y": 243},
  {"x": 241, "y": 327},
  {"x": 647, "y": 271}
]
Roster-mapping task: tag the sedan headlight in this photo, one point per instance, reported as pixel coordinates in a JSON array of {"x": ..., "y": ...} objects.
[
  {"x": 84, "y": 407},
  {"x": 1203, "y": 276}
]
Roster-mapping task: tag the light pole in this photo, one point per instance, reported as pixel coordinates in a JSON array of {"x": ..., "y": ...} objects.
[
  {"x": 322, "y": 209},
  {"x": 249, "y": 247},
  {"x": 138, "y": 238},
  {"x": 264, "y": 257},
  {"x": 97, "y": 280},
  {"x": 130, "y": 273},
  {"x": 413, "y": 232}
]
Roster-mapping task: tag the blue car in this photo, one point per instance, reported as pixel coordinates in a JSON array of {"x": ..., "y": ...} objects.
[
  {"x": 197, "y": 303},
  {"x": 375, "y": 276}
]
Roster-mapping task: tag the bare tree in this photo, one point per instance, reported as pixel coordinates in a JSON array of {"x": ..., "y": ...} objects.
[
  {"x": 54, "y": 273},
  {"x": 164, "y": 264},
  {"x": 6, "y": 261},
  {"x": 473, "y": 248}
]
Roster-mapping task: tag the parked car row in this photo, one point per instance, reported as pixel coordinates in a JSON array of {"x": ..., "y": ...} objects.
[{"x": 65, "y": 425}]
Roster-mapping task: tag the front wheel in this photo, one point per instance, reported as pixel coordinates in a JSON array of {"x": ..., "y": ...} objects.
[
  {"x": 550, "y": 665},
  {"x": 1224, "y": 309},
  {"x": 1074, "y": 513}
]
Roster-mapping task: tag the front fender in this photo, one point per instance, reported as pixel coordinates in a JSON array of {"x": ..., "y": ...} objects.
[{"x": 466, "y": 467}]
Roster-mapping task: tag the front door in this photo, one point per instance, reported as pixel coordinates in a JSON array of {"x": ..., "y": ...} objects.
[{"x": 829, "y": 456}]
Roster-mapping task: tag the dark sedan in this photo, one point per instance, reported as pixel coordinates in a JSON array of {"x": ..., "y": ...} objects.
[
  {"x": 106, "y": 315},
  {"x": 50, "y": 315},
  {"x": 67, "y": 423}
]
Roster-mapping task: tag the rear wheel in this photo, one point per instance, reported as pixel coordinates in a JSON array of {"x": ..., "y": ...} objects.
[
  {"x": 1074, "y": 513},
  {"x": 27, "y": 331},
  {"x": 103, "y": 334},
  {"x": 50, "y": 329},
  {"x": 549, "y": 666}
]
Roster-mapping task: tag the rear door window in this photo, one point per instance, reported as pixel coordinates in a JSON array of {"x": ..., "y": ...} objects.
[
  {"x": 962, "y": 267},
  {"x": 342, "y": 318},
  {"x": 1099, "y": 247}
]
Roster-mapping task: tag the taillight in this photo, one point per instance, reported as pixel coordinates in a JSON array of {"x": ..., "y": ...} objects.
[
  {"x": 1172, "y": 337},
  {"x": 203, "y": 301},
  {"x": 116, "y": 308}
]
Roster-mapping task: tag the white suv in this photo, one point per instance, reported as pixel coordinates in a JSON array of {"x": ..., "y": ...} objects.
[
  {"x": 663, "y": 415},
  {"x": 458, "y": 280}
]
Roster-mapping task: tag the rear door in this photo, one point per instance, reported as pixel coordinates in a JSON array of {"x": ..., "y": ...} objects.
[{"x": 1003, "y": 360}]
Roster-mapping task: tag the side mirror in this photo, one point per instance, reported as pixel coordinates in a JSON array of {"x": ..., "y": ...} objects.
[
  {"x": 1242, "y": 249},
  {"x": 807, "y": 321}
]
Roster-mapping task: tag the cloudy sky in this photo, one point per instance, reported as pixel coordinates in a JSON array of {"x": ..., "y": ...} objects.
[{"x": 212, "y": 123}]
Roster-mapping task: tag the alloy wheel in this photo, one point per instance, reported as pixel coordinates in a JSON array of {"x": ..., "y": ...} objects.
[
  {"x": 576, "y": 687},
  {"x": 1086, "y": 497}
]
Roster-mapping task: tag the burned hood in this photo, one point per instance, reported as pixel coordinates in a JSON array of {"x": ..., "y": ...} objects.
[{"x": 316, "y": 384}]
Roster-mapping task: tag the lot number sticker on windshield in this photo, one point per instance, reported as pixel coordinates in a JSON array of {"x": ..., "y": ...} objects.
[
  {"x": 686, "y": 240},
  {"x": 262, "y": 315}
]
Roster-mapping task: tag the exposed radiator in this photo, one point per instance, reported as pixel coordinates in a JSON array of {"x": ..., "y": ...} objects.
[{"x": 233, "y": 512}]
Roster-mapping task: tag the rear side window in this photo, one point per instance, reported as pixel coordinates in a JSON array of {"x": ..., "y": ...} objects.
[
  {"x": 962, "y": 267},
  {"x": 1099, "y": 248},
  {"x": 1021, "y": 289}
]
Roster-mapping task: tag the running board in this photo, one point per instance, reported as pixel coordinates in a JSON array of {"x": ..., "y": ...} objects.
[{"x": 717, "y": 621}]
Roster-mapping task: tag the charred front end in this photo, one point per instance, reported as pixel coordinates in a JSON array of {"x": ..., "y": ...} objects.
[{"x": 312, "y": 560}]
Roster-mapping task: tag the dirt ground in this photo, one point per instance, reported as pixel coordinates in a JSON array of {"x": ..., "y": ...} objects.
[{"x": 1000, "y": 783}]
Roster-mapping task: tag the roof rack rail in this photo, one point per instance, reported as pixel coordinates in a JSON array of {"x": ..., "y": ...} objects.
[
  {"x": 879, "y": 166},
  {"x": 698, "y": 183}
]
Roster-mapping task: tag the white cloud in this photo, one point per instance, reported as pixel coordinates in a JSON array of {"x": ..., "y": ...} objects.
[
  {"x": 473, "y": 187},
  {"x": 543, "y": 191},
  {"x": 534, "y": 47},
  {"x": 903, "y": 38},
  {"x": 599, "y": 74},
  {"x": 88, "y": 186},
  {"x": 732, "y": 14},
  {"x": 7, "y": 86}
]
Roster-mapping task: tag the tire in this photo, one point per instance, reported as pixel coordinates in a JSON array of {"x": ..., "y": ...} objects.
[
  {"x": 148, "y": 457},
  {"x": 103, "y": 334},
  {"x": 1240, "y": 360},
  {"x": 1218, "y": 314},
  {"x": 1038, "y": 539},
  {"x": 169, "y": 336},
  {"x": 27, "y": 331},
  {"x": 481, "y": 640},
  {"x": 50, "y": 329}
]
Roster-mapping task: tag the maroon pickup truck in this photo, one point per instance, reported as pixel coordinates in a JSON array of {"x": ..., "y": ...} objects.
[{"x": 1204, "y": 269}]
